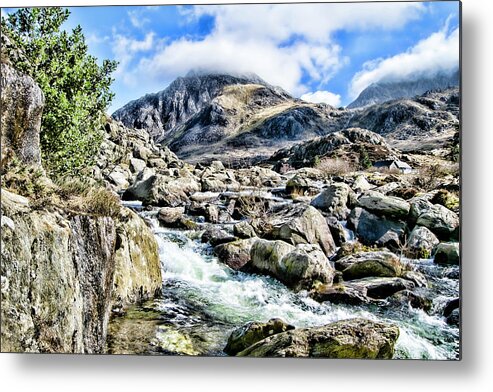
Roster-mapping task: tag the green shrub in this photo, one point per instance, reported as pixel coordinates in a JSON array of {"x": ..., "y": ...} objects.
[{"x": 76, "y": 88}]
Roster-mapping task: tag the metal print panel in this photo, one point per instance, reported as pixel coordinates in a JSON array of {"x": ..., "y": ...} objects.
[{"x": 263, "y": 180}]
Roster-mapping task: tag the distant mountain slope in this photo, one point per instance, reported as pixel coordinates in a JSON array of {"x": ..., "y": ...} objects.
[
  {"x": 387, "y": 91},
  {"x": 423, "y": 122},
  {"x": 203, "y": 116}
]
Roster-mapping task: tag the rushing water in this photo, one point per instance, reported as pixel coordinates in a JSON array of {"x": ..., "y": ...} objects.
[{"x": 204, "y": 301}]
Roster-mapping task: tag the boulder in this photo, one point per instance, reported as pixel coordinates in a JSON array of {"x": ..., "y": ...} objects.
[
  {"x": 340, "y": 294},
  {"x": 22, "y": 103},
  {"x": 355, "y": 338},
  {"x": 366, "y": 264},
  {"x": 303, "y": 185},
  {"x": 235, "y": 254},
  {"x": 210, "y": 212},
  {"x": 244, "y": 229},
  {"x": 218, "y": 181},
  {"x": 336, "y": 230},
  {"x": 170, "y": 216},
  {"x": 266, "y": 255},
  {"x": 440, "y": 220},
  {"x": 373, "y": 230},
  {"x": 421, "y": 243},
  {"x": 304, "y": 266},
  {"x": 137, "y": 165},
  {"x": 361, "y": 184},
  {"x": 162, "y": 190},
  {"x": 418, "y": 206},
  {"x": 380, "y": 288},
  {"x": 447, "y": 253},
  {"x": 253, "y": 332},
  {"x": 335, "y": 200},
  {"x": 216, "y": 236},
  {"x": 454, "y": 318},
  {"x": 301, "y": 224},
  {"x": 258, "y": 177},
  {"x": 389, "y": 206}
]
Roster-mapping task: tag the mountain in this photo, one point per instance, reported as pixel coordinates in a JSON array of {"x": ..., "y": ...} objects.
[
  {"x": 387, "y": 91},
  {"x": 424, "y": 122},
  {"x": 203, "y": 116}
]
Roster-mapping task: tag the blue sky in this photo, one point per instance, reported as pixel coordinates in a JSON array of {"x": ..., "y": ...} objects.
[{"x": 320, "y": 52}]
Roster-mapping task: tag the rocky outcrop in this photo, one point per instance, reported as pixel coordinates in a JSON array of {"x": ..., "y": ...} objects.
[
  {"x": 62, "y": 274},
  {"x": 22, "y": 103},
  {"x": 306, "y": 153},
  {"x": 356, "y": 338}
]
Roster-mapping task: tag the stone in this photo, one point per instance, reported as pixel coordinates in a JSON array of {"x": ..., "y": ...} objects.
[
  {"x": 266, "y": 255},
  {"x": 22, "y": 104},
  {"x": 235, "y": 254},
  {"x": 216, "y": 236},
  {"x": 335, "y": 200},
  {"x": 162, "y": 190},
  {"x": 380, "y": 288},
  {"x": 421, "y": 243},
  {"x": 301, "y": 224},
  {"x": 340, "y": 294},
  {"x": 244, "y": 229},
  {"x": 253, "y": 332},
  {"x": 336, "y": 230},
  {"x": 137, "y": 165},
  {"x": 355, "y": 338},
  {"x": 367, "y": 264},
  {"x": 389, "y": 206},
  {"x": 440, "y": 221},
  {"x": 376, "y": 231},
  {"x": 447, "y": 253},
  {"x": 170, "y": 216}
]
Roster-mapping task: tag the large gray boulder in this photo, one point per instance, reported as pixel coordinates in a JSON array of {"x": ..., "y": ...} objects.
[
  {"x": 447, "y": 253},
  {"x": 298, "y": 267},
  {"x": 366, "y": 264},
  {"x": 389, "y": 206},
  {"x": 253, "y": 332},
  {"x": 163, "y": 190},
  {"x": 235, "y": 254},
  {"x": 301, "y": 224},
  {"x": 421, "y": 243},
  {"x": 440, "y": 220},
  {"x": 355, "y": 338},
  {"x": 22, "y": 103},
  {"x": 374, "y": 230},
  {"x": 335, "y": 200}
]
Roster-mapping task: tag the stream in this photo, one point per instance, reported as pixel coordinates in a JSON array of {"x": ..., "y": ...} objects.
[{"x": 204, "y": 300}]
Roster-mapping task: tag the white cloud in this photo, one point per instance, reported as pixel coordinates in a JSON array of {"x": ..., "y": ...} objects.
[
  {"x": 438, "y": 53},
  {"x": 125, "y": 48},
  {"x": 323, "y": 97},
  {"x": 278, "y": 42}
]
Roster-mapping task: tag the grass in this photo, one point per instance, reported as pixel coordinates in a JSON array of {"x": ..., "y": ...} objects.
[{"x": 334, "y": 166}]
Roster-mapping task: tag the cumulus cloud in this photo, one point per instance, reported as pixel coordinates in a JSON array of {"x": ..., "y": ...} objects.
[
  {"x": 323, "y": 97},
  {"x": 281, "y": 43},
  {"x": 124, "y": 48},
  {"x": 438, "y": 53}
]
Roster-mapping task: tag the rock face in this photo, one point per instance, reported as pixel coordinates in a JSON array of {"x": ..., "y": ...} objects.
[
  {"x": 301, "y": 225},
  {"x": 22, "y": 104},
  {"x": 253, "y": 332},
  {"x": 356, "y": 338},
  {"x": 62, "y": 275},
  {"x": 388, "y": 91}
]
